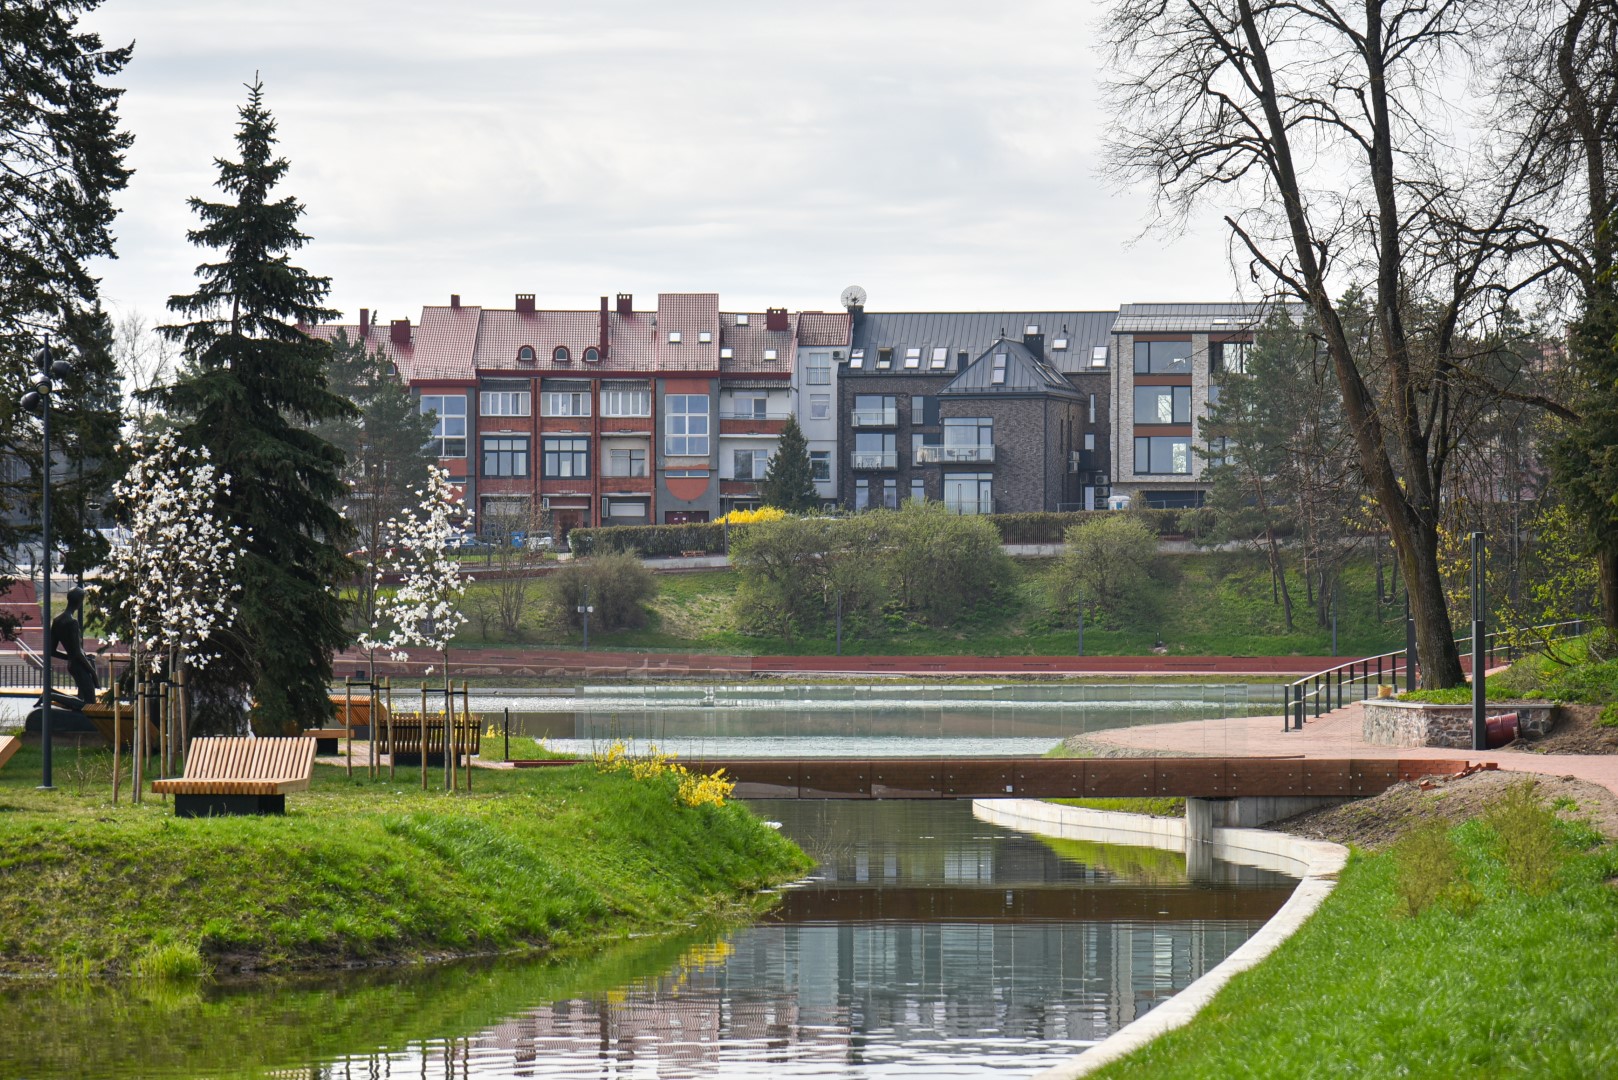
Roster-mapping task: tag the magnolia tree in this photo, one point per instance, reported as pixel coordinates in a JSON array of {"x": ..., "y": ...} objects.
[
  {"x": 424, "y": 610},
  {"x": 176, "y": 574}
]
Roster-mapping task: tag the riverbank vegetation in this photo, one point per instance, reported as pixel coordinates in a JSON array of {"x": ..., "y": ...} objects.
[
  {"x": 1582, "y": 670},
  {"x": 362, "y": 872},
  {"x": 1485, "y": 948},
  {"x": 1217, "y": 603}
]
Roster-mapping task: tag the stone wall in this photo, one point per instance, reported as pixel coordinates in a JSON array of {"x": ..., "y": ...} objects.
[{"x": 1406, "y": 723}]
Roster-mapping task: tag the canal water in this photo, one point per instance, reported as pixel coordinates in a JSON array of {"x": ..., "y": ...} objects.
[{"x": 926, "y": 944}]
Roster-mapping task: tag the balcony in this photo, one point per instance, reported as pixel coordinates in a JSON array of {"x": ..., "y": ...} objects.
[
  {"x": 969, "y": 506},
  {"x": 753, "y": 414},
  {"x": 885, "y": 459},
  {"x": 954, "y": 455},
  {"x": 869, "y": 418}
]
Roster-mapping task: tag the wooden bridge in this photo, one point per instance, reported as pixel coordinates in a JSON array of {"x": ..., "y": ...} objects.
[{"x": 1059, "y": 778}]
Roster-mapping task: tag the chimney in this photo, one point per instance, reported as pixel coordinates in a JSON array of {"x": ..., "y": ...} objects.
[
  {"x": 1034, "y": 340},
  {"x": 525, "y": 303},
  {"x": 454, "y": 299},
  {"x": 626, "y": 304},
  {"x": 365, "y": 322},
  {"x": 775, "y": 318},
  {"x": 602, "y": 344},
  {"x": 399, "y": 332}
]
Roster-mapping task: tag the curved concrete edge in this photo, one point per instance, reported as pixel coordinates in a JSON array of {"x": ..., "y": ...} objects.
[{"x": 1316, "y": 862}]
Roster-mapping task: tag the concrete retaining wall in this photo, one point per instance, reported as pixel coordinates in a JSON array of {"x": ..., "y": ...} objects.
[{"x": 1315, "y": 862}]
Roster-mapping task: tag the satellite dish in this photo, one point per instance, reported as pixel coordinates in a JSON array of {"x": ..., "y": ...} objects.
[{"x": 853, "y": 296}]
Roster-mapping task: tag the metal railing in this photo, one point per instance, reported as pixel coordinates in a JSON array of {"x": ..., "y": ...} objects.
[
  {"x": 885, "y": 459},
  {"x": 749, "y": 414},
  {"x": 932, "y": 455},
  {"x": 875, "y": 417},
  {"x": 1337, "y": 686}
]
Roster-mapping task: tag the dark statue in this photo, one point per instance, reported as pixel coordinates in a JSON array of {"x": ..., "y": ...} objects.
[{"x": 67, "y": 638}]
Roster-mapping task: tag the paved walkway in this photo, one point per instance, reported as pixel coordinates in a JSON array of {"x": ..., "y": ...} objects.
[{"x": 1335, "y": 735}]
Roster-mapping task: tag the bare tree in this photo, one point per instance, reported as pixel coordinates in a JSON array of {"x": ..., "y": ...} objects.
[
  {"x": 146, "y": 360},
  {"x": 517, "y": 536},
  {"x": 1333, "y": 136}
]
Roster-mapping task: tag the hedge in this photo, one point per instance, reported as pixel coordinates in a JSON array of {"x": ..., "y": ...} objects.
[
  {"x": 1045, "y": 527},
  {"x": 649, "y": 541}
]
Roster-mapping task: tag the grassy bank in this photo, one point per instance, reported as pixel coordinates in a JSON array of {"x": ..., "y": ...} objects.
[
  {"x": 1205, "y": 604},
  {"x": 360, "y": 871},
  {"x": 1507, "y": 969}
]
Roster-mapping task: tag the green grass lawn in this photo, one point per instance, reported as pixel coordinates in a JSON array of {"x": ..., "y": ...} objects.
[
  {"x": 1206, "y": 604},
  {"x": 1498, "y": 981},
  {"x": 359, "y": 870}
]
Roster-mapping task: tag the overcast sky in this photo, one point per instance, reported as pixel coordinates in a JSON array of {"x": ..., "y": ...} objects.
[{"x": 942, "y": 154}]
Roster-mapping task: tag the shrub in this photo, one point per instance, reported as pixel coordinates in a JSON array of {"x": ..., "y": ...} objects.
[
  {"x": 1428, "y": 870},
  {"x": 649, "y": 541},
  {"x": 1526, "y": 838},
  {"x": 620, "y": 588},
  {"x": 748, "y": 517},
  {"x": 1109, "y": 562},
  {"x": 938, "y": 564},
  {"x": 1045, "y": 527}
]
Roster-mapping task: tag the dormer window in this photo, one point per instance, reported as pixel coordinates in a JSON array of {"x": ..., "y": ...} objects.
[
  {"x": 856, "y": 358},
  {"x": 912, "y": 358},
  {"x": 771, "y": 354},
  {"x": 884, "y": 357},
  {"x": 726, "y": 352},
  {"x": 560, "y": 355},
  {"x": 674, "y": 337},
  {"x": 1059, "y": 343},
  {"x": 1098, "y": 356},
  {"x": 592, "y": 355},
  {"x": 998, "y": 376},
  {"x": 741, "y": 320},
  {"x": 940, "y": 357},
  {"x": 525, "y": 355},
  {"x": 704, "y": 337}
]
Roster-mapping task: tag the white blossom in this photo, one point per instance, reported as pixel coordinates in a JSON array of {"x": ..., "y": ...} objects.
[{"x": 425, "y": 608}]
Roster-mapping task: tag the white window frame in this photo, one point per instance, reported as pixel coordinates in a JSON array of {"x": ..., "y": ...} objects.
[
  {"x": 449, "y": 418},
  {"x": 685, "y": 425},
  {"x": 564, "y": 403},
  {"x": 505, "y": 402},
  {"x": 632, "y": 400},
  {"x": 820, "y": 406}
]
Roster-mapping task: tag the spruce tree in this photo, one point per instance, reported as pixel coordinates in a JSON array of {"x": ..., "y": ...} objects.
[
  {"x": 253, "y": 385},
  {"x": 61, "y": 164},
  {"x": 789, "y": 482}
]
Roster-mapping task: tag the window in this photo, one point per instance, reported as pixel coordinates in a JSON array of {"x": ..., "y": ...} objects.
[
  {"x": 862, "y": 494},
  {"x": 1098, "y": 356},
  {"x": 772, "y": 354},
  {"x": 876, "y": 450},
  {"x": 741, "y": 319},
  {"x": 912, "y": 358},
  {"x": 685, "y": 425},
  {"x": 504, "y": 402},
  {"x": 817, "y": 369},
  {"x": 1031, "y": 328},
  {"x": 884, "y": 357},
  {"x": 1163, "y": 357},
  {"x": 694, "y": 473},
  {"x": 1163, "y": 454},
  {"x": 856, "y": 359},
  {"x": 820, "y": 406},
  {"x": 969, "y": 493},
  {"x": 592, "y": 355},
  {"x": 1090, "y": 441},
  {"x": 567, "y": 458},
  {"x": 751, "y": 464},
  {"x": 962, "y": 359},
  {"x": 626, "y": 508},
  {"x": 1092, "y": 408},
  {"x": 1162, "y": 404},
  {"x": 564, "y": 400},
  {"x": 674, "y": 337},
  {"x": 633, "y": 399},
  {"x": 749, "y": 405},
  {"x": 940, "y": 358},
  {"x": 560, "y": 354},
  {"x": 1213, "y": 394},
  {"x": 998, "y": 377},
  {"x": 876, "y": 410},
  {"x": 1059, "y": 344},
  {"x": 890, "y": 493},
  {"x": 726, "y": 352},
  {"x": 1222, "y": 450},
  {"x": 525, "y": 355},
  {"x": 704, "y": 337},
  {"x": 449, "y": 433},
  {"x": 1229, "y": 356},
  {"x": 626, "y": 461},
  {"x": 504, "y": 455},
  {"x": 968, "y": 431},
  {"x": 820, "y": 464},
  {"x": 510, "y": 511},
  {"x": 918, "y": 489}
]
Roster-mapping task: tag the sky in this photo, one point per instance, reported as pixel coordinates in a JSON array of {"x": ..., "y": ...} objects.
[{"x": 943, "y": 155}]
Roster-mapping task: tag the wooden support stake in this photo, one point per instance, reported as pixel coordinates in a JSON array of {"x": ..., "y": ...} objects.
[
  {"x": 422, "y": 731},
  {"x": 117, "y": 733},
  {"x": 466, "y": 717},
  {"x": 393, "y": 747},
  {"x": 348, "y": 722}
]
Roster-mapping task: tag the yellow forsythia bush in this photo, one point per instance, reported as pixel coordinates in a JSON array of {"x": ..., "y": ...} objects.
[
  {"x": 695, "y": 789},
  {"x": 748, "y": 517}
]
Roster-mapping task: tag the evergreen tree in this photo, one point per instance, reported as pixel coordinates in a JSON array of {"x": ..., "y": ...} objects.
[
  {"x": 252, "y": 386},
  {"x": 789, "y": 482},
  {"x": 61, "y": 163}
]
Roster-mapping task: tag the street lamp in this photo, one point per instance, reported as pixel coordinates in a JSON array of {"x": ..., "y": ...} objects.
[
  {"x": 584, "y": 609},
  {"x": 38, "y": 401}
]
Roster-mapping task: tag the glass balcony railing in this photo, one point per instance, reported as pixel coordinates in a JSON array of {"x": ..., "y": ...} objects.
[
  {"x": 876, "y": 417},
  {"x": 933, "y": 455},
  {"x": 886, "y": 459}
]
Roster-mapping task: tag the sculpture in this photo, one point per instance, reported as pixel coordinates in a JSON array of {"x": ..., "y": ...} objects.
[{"x": 67, "y": 636}]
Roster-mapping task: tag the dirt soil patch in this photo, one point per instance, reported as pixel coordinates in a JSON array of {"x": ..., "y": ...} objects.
[
  {"x": 1576, "y": 732},
  {"x": 1377, "y": 822}
]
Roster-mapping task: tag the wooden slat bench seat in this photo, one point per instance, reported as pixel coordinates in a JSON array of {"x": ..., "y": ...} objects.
[
  {"x": 355, "y": 712},
  {"x": 404, "y": 742},
  {"x": 240, "y": 776},
  {"x": 9, "y": 745}
]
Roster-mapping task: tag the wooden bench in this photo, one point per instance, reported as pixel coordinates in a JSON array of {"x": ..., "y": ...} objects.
[
  {"x": 355, "y": 714},
  {"x": 9, "y": 745},
  {"x": 405, "y": 744},
  {"x": 240, "y": 776}
]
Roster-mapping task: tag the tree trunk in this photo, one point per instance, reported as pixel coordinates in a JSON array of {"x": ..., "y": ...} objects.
[
  {"x": 1435, "y": 634},
  {"x": 1607, "y": 567}
]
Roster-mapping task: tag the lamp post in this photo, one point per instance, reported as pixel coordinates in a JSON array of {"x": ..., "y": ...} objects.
[
  {"x": 38, "y": 400},
  {"x": 1081, "y": 623},
  {"x": 584, "y": 609},
  {"x": 1480, "y": 726}
]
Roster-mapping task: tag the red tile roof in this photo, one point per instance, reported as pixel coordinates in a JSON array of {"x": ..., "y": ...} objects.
[
  {"x": 749, "y": 342},
  {"x": 823, "y": 328}
]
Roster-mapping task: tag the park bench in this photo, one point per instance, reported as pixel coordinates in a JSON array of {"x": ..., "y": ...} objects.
[
  {"x": 352, "y": 713},
  {"x": 240, "y": 776},
  {"x": 9, "y": 745},
  {"x": 403, "y": 738}
]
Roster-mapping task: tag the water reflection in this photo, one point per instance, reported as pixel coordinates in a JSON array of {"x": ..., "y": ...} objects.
[{"x": 927, "y": 944}]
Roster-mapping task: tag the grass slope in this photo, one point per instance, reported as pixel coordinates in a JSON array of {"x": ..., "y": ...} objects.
[
  {"x": 1519, "y": 985},
  {"x": 359, "y": 871},
  {"x": 1206, "y": 604}
]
